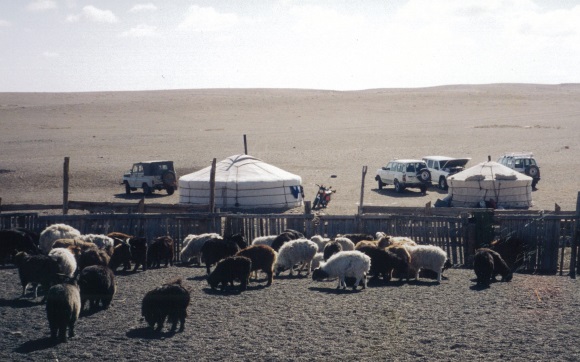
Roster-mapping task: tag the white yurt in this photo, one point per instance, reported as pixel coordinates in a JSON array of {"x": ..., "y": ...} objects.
[
  {"x": 490, "y": 180},
  {"x": 243, "y": 181}
]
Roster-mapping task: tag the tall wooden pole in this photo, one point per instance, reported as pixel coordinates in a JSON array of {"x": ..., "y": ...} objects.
[
  {"x": 573, "y": 261},
  {"x": 65, "y": 180},
  {"x": 245, "y": 146},
  {"x": 212, "y": 187},
  {"x": 362, "y": 190}
]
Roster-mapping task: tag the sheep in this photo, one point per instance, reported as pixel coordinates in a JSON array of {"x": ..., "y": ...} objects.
[
  {"x": 383, "y": 261},
  {"x": 345, "y": 264},
  {"x": 119, "y": 237},
  {"x": 387, "y": 240},
  {"x": 483, "y": 266},
  {"x": 216, "y": 249},
  {"x": 66, "y": 261},
  {"x": 403, "y": 254},
  {"x": 330, "y": 249},
  {"x": 285, "y": 237},
  {"x": 93, "y": 256},
  {"x": 345, "y": 243},
  {"x": 63, "y": 306},
  {"x": 66, "y": 243},
  {"x": 294, "y": 252},
  {"x": 355, "y": 238},
  {"x": 12, "y": 241},
  {"x": 138, "y": 252},
  {"x": 229, "y": 269},
  {"x": 379, "y": 235},
  {"x": 362, "y": 243},
  {"x": 512, "y": 251},
  {"x": 36, "y": 269},
  {"x": 318, "y": 258},
  {"x": 428, "y": 257},
  {"x": 264, "y": 240},
  {"x": 499, "y": 266},
  {"x": 162, "y": 248},
  {"x": 263, "y": 258},
  {"x": 54, "y": 232},
  {"x": 167, "y": 301},
  {"x": 320, "y": 241},
  {"x": 121, "y": 255},
  {"x": 101, "y": 241},
  {"x": 192, "y": 246},
  {"x": 97, "y": 285}
]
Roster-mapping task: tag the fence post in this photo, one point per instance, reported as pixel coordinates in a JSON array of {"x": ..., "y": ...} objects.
[
  {"x": 362, "y": 190},
  {"x": 212, "y": 187},
  {"x": 65, "y": 180},
  {"x": 573, "y": 255}
]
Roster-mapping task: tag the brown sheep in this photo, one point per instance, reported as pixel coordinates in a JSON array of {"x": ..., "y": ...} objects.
[{"x": 263, "y": 258}]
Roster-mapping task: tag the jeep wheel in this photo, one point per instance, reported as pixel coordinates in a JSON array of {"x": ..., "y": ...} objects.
[
  {"x": 442, "y": 183},
  {"x": 424, "y": 175},
  {"x": 533, "y": 171},
  {"x": 423, "y": 189},
  {"x": 381, "y": 184},
  {"x": 127, "y": 188},
  {"x": 398, "y": 187},
  {"x": 168, "y": 178},
  {"x": 170, "y": 190},
  {"x": 147, "y": 190}
]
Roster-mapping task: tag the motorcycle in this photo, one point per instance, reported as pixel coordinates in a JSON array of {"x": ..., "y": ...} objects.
[{"x": 322, "y": 196}]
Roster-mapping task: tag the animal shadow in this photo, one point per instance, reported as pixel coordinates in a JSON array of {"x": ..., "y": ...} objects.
[
  {"x": 36, "y": 345},
  {"x": 18, "y": 303},
  {"x": 198, "y": 277},
  {"x": 227, "y": 291},
  {"x": 335, "y": 291},
  {"x": 478, "y": 287},
  {"x": 148, "y": 333}
]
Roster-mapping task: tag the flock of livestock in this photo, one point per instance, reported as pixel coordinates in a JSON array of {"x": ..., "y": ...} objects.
[{"x": 74, "y": 269}]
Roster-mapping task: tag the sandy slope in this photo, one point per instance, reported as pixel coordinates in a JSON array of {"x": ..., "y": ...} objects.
[{"x": 312, "y": 133}]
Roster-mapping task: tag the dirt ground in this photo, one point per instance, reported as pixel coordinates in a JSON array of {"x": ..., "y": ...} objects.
[
  {"x": 532, "y": 318},
  {"x": 315, "y": 134}
]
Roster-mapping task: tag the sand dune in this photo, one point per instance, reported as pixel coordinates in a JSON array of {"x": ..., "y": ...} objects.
[{"x": 312, "y": 133}]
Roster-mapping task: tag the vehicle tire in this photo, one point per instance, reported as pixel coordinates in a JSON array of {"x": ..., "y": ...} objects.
[
  {"x": 398, "y": 187},
  {"x": 381, "y": 184},
  {"x": 423, "y": 189},
  {"x": 168, "y": 178},
  {"x": 170, "y": 190},
  {"x": 443, "y": 183},
  {"x": 127, "y": 188},
  {"x": 314, "y": 203},
  {"x": 147, "y": 190},
  {"x": 533, "y": 171},
  {"x": 424, "y": 175}
]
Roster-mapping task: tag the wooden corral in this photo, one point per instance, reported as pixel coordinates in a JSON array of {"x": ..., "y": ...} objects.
[{"x": 458, "y": 231}]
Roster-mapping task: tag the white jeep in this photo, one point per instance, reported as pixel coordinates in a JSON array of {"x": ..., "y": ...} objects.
[
  {"x": 151, "y": 175},
  {"x": 443, "y": 166},
  {"x": 523, "y": 162},
  {"x": 404, "y": 174}
]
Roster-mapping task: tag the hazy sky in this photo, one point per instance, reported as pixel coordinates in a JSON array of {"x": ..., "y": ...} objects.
[{"x": 102, "y": 45}]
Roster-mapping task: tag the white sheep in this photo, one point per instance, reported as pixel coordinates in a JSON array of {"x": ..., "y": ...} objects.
[
  {"x": 428, "y": 257},
  {"x": 320, "y": 241},
  {"x": 379, "y": 234},
  {"x": 264, "y": 240},
  {"x": 192, "y": 246},
  {"x": 345, "y": 264},
  {"x": 345, "y": 243},
  {"x": 54, "y": 232},
  {"x": 66, "y": 261},
  {"x": 318, "y": 257},
  {"x": 101, "y": 241},
  {"x": 294, "y": 252}
]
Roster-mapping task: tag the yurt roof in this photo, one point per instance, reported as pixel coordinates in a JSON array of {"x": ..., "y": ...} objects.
[
  {"x": 489, "y": 170},
  {"x": 242, "y": 168}
]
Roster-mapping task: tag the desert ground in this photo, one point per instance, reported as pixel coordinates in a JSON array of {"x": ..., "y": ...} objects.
[{"x": 315, "y": 134}]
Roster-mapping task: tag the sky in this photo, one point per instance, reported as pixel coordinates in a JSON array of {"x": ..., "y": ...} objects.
[{"x": 119, "y": 45}]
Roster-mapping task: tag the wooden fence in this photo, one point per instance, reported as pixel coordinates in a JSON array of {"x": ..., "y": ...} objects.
[{"x": 459, "y": 233}]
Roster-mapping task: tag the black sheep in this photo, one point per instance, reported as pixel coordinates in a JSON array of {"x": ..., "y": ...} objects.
[
  {"x": 162, "y": 248},
  {"x": 500, "y": 267},
  {"x": 217, "y": 249},
  {"x": 36, "y": 269},
  {"x": 139, "y": 252},
  {"x": 483, "y": 266},
  {"x": 330, "y": 249},
  {"x": 121, "y": 256},
  {"x": 512, "y": 251},
  {"x": 263, "y": 258},
  {"x": 12, "y": 241},
  {"x": 63, "y": 306},
  {"x": 168, "y": 301},
  {"x": 97, "y": 285},
  {"x": 383, "y": 262},
  {"x": 230, "y": 269},
  {"x": 285, "y": 237},
  {"x": 92, "y": 256}
]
